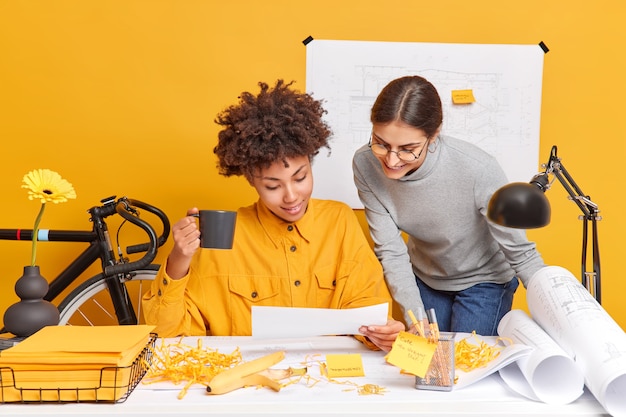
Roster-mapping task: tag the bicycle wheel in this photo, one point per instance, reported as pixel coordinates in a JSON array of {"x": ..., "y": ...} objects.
[{"x": 90, "y": 303}]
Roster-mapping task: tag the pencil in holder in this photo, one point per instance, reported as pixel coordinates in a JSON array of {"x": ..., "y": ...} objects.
[{"x": 440, "y": 373}]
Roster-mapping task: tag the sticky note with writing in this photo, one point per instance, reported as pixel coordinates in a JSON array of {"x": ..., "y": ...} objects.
[
  {"x": 462, "y": 96},
  {"x": 411, "y": 353},
  {"x": 344, "y": 365}
]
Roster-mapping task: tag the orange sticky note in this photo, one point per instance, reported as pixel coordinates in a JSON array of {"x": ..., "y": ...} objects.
[
  {"x": 463, "y": 96},
  {"x": 344, "y": 365},
  {"x": 411, "y": 353}
]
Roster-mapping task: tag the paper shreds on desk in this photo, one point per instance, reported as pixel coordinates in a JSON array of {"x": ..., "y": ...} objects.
[{"x": 71, "y": 363}]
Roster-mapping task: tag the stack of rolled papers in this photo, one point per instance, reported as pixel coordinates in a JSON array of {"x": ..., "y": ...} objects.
[{"x": 72, "y": 363}]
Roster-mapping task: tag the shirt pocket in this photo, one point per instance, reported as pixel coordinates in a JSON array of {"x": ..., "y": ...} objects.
[
  {"x": 247, "y": 291},
  {"x": 328, "y": 279},
  {"x": 252, "y": 290}
]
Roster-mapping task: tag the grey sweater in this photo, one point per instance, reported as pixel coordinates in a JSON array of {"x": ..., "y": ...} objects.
[{"x": 442, "y": 209}]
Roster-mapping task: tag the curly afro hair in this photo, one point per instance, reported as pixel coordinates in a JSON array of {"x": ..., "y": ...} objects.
[{"x": 277, "y": 124}]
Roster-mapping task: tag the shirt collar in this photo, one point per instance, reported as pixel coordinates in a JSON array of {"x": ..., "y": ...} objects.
[{"x": 276, "y": 227}]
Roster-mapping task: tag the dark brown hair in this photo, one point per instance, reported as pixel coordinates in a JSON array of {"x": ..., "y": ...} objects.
[
  {"x": 412, "y": 100},
  {"x": 276, "y": 124}
]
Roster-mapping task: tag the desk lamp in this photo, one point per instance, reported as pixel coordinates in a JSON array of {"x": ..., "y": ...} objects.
[{"x": 524, "y": 206}]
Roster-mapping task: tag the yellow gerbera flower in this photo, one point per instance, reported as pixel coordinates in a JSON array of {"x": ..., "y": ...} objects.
[{"x": 47, "y": 186}]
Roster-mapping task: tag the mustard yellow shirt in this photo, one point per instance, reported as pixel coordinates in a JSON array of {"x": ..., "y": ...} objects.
[{"x": 323, "y": 261}]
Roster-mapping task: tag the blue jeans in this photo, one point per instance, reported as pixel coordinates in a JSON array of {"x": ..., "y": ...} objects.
[{"x": 478, "y": 308}]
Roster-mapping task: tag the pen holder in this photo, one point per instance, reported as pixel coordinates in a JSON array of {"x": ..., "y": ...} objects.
[{"x": 440, "y": 374}]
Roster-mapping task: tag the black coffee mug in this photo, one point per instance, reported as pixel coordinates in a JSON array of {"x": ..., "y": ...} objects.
[{"x": 217, "y": 228}]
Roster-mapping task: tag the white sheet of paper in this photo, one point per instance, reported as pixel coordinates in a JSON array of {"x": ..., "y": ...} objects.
[
  {"x": 288, "y": 322},
  {"x": 506, "y": 80}
]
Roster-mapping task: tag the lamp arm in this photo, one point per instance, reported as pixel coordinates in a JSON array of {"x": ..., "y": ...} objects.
[
  {"x": 584, "y": 203},
  {"x": 590, "y": 279}
]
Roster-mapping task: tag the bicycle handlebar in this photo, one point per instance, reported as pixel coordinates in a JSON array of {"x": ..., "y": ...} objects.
[
  {"x": 164, "y": 221},
  {"x": 125, "y": 207}
]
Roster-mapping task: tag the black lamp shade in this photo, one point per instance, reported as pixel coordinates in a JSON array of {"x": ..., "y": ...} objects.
[{"x": 519, "y": 205}]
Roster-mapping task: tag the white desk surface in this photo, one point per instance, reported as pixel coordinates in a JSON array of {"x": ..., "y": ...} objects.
[{"x": 487, "y": 397}]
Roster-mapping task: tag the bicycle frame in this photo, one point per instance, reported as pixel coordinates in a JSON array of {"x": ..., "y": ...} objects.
[{"x": 100, "y": 247}]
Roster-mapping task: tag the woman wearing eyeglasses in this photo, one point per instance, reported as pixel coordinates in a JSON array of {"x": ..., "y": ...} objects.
[{"x": 435, "y": 189}]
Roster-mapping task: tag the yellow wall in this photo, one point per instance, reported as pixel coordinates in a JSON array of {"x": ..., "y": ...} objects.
[{"x": 119, "y": 97}]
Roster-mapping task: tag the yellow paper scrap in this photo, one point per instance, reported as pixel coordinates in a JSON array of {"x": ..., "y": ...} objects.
[
  {"x": 411, "y": 353},
  {"x": 463, "y": 96},
  {"x": 344, "y": 365}
]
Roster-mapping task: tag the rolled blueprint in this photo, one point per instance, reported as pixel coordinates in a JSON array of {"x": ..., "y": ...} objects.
[
  {"x": 548, "y": 373},
  {"x": 564, "y": 308}
]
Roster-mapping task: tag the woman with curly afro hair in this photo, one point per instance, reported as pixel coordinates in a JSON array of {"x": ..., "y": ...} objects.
[{"x": 289, "y": 249}]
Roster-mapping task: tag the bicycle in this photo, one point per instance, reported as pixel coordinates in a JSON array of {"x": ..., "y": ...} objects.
[{"x": 114, "y": 295}]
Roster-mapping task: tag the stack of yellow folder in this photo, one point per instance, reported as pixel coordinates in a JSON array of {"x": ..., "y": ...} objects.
[{"x": 72, "y": 363}]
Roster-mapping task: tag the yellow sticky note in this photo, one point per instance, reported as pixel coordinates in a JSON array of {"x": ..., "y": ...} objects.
[
  {"x": 344, "y": 365},
  {"x": 463, "y": 96},
  {"x": 411, "y": 353}
]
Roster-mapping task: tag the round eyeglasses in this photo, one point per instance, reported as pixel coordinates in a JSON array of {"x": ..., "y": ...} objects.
[{"x": 403, "y": 154}]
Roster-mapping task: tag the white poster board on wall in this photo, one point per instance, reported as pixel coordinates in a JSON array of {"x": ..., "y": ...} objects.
[{"x": 503, "y": 120}]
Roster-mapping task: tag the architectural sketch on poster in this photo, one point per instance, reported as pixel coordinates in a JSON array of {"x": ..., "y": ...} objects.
[{"x": 503, "y": 120}]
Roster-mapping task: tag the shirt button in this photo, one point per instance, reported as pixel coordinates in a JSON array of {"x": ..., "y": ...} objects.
[
  {"x": 159, "y": 293},
  {"x": 254, "y": 294},
  {"x": 334, "y": 282},
  {"x": 293, "y": 248},
  {"x": 297, "y": 283},
  {"x": 290, "y": 228},
  {"x": 164, "y": 281}
]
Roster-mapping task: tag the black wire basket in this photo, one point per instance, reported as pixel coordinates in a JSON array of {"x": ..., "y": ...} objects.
[{"x": 106, "y": 385}]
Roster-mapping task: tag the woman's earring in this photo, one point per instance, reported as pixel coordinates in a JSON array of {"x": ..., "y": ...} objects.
[{"x": 435, "y": 144}]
